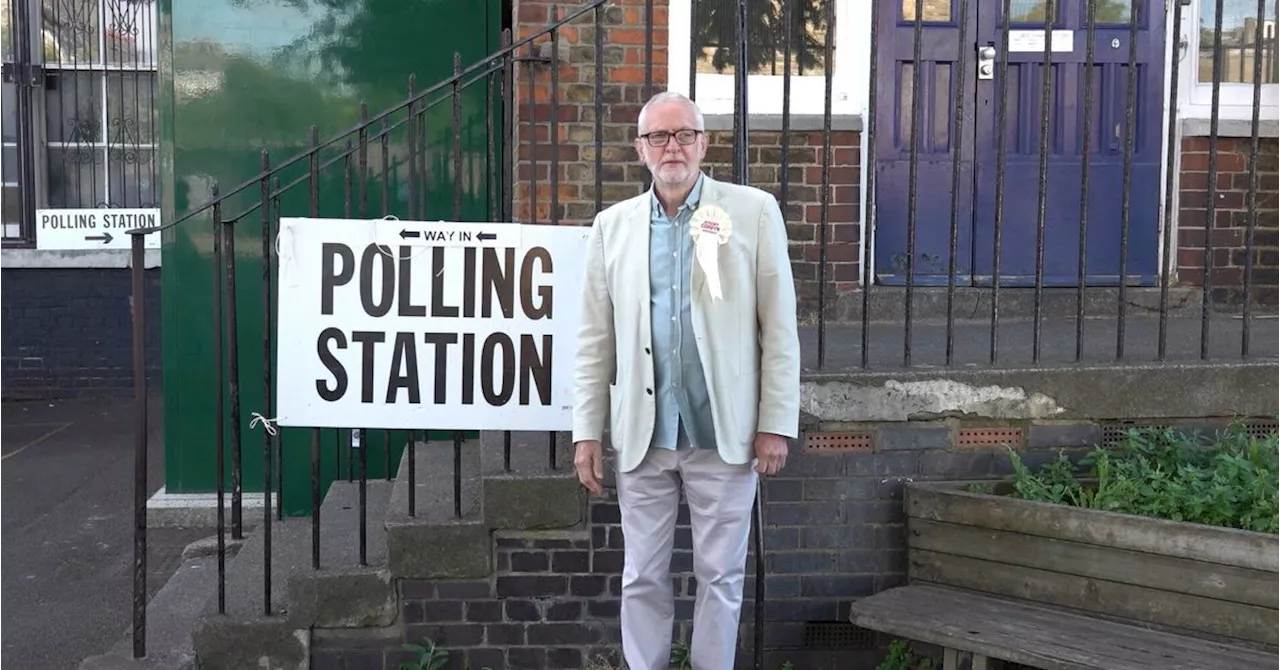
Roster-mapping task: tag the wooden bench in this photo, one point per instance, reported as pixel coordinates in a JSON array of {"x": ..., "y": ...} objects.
[{"x": 975, "y": 628}]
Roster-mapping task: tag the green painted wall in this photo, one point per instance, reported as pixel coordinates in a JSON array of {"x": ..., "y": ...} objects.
[{"x": 240, "y": 76}]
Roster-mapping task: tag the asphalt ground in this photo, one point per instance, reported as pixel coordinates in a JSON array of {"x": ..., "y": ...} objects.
[{"x": 66, "y": 476}]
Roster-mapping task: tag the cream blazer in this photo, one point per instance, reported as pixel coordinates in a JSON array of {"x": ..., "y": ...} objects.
[{"x": 747, "y": 340}]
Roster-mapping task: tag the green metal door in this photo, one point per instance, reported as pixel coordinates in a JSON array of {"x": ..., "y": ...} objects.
[{"x": 249, "y": 75}]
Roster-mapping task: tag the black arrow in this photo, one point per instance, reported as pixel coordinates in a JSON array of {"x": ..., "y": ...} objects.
[
  {"x": 405, "y": 234},
  {"x": 105, "y": 237},
  {"x": 487, "y": 236}
]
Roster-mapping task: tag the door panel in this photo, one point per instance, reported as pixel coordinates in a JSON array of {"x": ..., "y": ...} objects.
[
  {"x": 940, "y": 95},
  {"x": 980, "y": 170},
  {"x": 1020, "y": 177}
]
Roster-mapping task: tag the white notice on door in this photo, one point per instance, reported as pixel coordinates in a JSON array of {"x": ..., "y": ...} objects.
[{"x": 1033, "y": 40}]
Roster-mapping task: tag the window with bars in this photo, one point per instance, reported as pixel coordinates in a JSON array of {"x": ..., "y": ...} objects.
[
  {"x": 702, "y": 61},
  {"x": 79, "y": 89},
  {"x": 1246, "y": 44}
]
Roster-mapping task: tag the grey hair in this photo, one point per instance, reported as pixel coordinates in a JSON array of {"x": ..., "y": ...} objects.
[{"x": 669, "y": 96}]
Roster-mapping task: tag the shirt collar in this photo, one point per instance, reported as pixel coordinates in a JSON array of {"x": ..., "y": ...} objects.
[{"x": 690, "y": 202}]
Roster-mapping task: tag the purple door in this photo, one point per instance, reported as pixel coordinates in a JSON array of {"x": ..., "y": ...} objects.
[{"x": 982, "y": 180}]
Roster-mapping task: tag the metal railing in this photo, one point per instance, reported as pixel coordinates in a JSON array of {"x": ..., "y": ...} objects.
[{"x": 367, "y": 155}]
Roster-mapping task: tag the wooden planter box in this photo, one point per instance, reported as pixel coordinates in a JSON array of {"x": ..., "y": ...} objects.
[{"x": 1214, "y": 583}]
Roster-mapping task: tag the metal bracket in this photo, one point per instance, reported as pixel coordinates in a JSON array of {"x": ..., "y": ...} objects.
[{"x": 24, "y": 74}]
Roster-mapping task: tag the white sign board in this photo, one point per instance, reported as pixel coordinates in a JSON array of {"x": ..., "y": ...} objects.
[
  {"x": 416, "y": 325},
  {"x": 1033, "y": 41},
  {"x": 94, "y": 229}
]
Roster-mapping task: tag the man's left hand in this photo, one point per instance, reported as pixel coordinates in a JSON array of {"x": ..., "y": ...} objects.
[{"x": 771, "y": 453}]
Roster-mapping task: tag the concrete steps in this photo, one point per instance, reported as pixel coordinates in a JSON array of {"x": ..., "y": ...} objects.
[
  {"x": 344, "y": 593},
  {"x": 341, "y": 593}
]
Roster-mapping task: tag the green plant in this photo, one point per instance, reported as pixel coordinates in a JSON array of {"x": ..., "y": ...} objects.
[
  {"x": 429, "y": 657},
  {"x": 680, "y": 657},
  {"x": 902, "y": 657},
  {"x": 1230, "y": 480}
]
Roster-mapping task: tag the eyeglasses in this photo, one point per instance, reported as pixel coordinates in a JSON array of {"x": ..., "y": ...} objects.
[{"x": 659, "y": 138}]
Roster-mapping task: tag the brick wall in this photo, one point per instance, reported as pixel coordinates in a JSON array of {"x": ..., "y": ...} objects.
[
  {"x": 833, "y": 533},
  {"x": 623, "y": 175},
  {"x": 69, "y": 332},
  {"x": 1231, "y": 219}
]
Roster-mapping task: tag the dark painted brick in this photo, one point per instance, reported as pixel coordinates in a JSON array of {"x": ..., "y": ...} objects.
[
  {"x": 896, "y": 464},
  {"x": 522, "y": 610},
  {"x": 557, "y": 543},
  {"x": 826, "y": 537},
  {"x": 793, "y": 562},
  {"x": 840, "y": 489},
  {"x": 487, "y": 658},
  {"x": 860, "y": 561},
  {"x": 463, "y": 590},
  {"x": 681, "y": 561},
  {"x": 413, "y": 611},
  {"x": 556, "y": 634},
  {"x": 599, "y": 537},
  {"x": 447, "y": 635},
  {"x": 484, "y": 611},
  {"x": 1064, "y": 435},
  {"x": 615, "y": 585},
  {"x": 510, "y": 543},
  {"x": 893, "y": 438},
  {"x": 605, "y": 513},
  {"x": 684, "y": 609},
  {"x": 607, "y": 561},
  {"x": 527, "y": 657},
  {"x": 588, "y": 586},
  {"x": 684, "y": 538},
  {"x": 604, "y": 609},
  {"x": 783, "y": 490},
  {"x": 828, "y": 586},
  {"x": 67, "y": 332},
  {"x": 564, "y": 658},
  {"x": 959, "y": 465},
  {"x": 776, "y": 586},
  {"x": 804, "y": 514},
  {"x": 362, "y": 659},
  {"x": 890, "y": 537},
  {"x": 441, "y": 611},
  {"x": 873, "y": 511},
  {"x": 571, "y": 561},
  {"x": 528, "y": 561},
  {"x": 502, "y": 561},
  {"x": 531, "y": 585},
  {"x": 570, "y": 610},
  {"x": 417, "y": 588},
  {"x": 504, "y": 634},
  {"x": 804, "y": 609},
  {"x": 326, "y": 659},
  {"x": 813, "y": 465}
]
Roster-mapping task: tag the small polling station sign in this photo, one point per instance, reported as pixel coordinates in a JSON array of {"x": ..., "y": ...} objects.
[
  {"x": 94, "y": 229},
  {"x": 418, "y": 324}
]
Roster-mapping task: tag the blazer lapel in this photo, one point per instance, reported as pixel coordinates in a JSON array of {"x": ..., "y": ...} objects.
[{"x": 637, "y": 253}]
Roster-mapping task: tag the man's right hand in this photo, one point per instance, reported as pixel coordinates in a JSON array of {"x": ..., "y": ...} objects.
[{"x": 588, "y": 459}]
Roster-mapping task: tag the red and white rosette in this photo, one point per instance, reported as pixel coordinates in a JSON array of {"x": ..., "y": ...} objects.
[{"x": 710, "y": 227}]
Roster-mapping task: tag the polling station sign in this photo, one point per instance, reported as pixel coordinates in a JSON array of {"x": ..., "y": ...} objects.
[{"x": 419, "y": 324}]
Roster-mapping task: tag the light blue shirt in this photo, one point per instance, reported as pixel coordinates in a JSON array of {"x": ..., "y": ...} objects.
[{"x": 683, "y": 402}]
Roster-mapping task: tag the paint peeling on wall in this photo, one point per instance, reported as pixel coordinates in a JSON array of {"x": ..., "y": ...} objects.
[{"x": 926, "y": 399}]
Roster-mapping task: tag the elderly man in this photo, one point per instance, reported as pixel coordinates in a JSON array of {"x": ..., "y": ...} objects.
[{"x": 688, "y": 347}]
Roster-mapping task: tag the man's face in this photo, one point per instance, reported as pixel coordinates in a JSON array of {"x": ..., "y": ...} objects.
[{"x": 673, "y": 164}]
